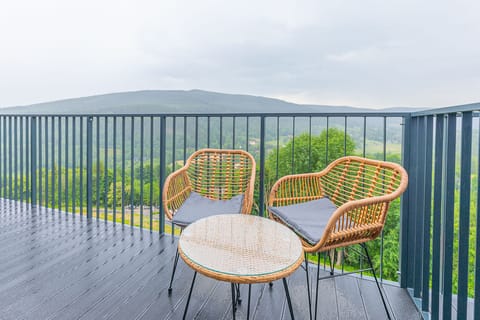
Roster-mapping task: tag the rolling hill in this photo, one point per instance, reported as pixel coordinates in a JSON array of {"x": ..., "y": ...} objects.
[{"x": 176, "y": 101}]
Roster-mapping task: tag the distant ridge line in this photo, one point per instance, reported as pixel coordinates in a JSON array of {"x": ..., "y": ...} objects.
[{"x": 155, "y": 102}]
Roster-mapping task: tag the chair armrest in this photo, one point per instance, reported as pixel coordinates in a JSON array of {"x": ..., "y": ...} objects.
[
  {"x": 356, "y": 221},
  {"x": 296, "y": 188},
  {"x": 249, "y": 196},
  {"x": 176, "y": 190}
]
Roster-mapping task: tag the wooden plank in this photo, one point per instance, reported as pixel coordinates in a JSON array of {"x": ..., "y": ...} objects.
[
  {"x": 327, "y": 298},
  {"x": 401, "y": 302},
  {"x": 349, "y": 302},
  {"x": 297, "y": 286},
  {"x": 137, "y": 296},
  {"x": 372, "y": 300}
]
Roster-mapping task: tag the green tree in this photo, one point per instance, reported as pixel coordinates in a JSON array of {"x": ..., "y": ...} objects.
[{"x": 310, "y": 153}]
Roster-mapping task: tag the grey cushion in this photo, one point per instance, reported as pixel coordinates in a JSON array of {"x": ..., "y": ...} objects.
[
  {"x": 197, "y": 206},
  {"x": 307, "y": 219}
]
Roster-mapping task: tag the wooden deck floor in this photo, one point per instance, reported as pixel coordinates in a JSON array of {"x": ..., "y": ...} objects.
[{"x": 60, "y": 266}]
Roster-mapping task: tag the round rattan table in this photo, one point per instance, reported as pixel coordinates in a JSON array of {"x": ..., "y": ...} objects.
[{"x": 240, "y": 249}]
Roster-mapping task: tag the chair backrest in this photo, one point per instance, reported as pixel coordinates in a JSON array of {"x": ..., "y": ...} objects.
[
  {"x": 221, "y": 174},
  {"x": 354, "y": 178}
]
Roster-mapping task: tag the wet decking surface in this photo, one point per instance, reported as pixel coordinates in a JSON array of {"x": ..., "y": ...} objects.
[{"x": 55, "y": 265}]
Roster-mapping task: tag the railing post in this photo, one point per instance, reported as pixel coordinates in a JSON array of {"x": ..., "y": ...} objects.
[
  {"x": 33, "y": 161},
  {"x": 404, "y": 213},
  {"x": 89, "y": 165},
  {"x": 163, "y": 134},
  {"x": 261, "y": 196}
]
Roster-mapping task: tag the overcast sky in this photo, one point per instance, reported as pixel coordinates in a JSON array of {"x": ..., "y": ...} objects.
[{"x": 359, "y": 53}]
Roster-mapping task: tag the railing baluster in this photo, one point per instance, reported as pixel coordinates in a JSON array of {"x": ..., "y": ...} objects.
[
  {"x": 449, "y": 213},
  {"x": 247, "y": 131},
  {"x": 174, "y": 130},
  {"x": 293, "y": 145},
  {"x": 233, "y": 132},
  {"x": 427, "y": 213},
  {"x": 53, "y": 162},
  {"x": 89, "y": 165},
  {"x": 66, "y": 162},
  {"x": 97, "y": 175},
  {"x": 221, "y": 132},
  {"x": 123, "y": 170},
  {"x": 163, "y": 135},
  {"x": 261, "y": 194},
  {"x": 476, "y": 307},
  {"x": 419, "y": 204},
  {"x": 151, "y": 174},
  {"x": 196, "y": 133},
  {"x": 2, "y": 157},
  {"x": 141, "y": 168},
  {"x": 74, "y": 164},
  {"x": 114, "y": 204},
  {"x": 33, "y": 157},
  {"x": 59, "y": 157},
  {"x": 437, "y": 215},
  {"x": 22, "y": 119},
  {"x": 15, "y": 167},
  {"x": 40, "y": 164},
  {"x": 405, "y": 241},
  {"x": 5, "y": 194},
  {"x": 105, "y": 168},
  {"x": 464, "y": 219},
  {"x": 132, "y": 168},
  {"x": 184, "y": 140},
  {"x": 208, "y": 131},
  {"x": 326, "y": 144},
  {"x": 10, "y": 173},
  {"x": 81, "y": 166},
  {"x": 46, "y": 163}
]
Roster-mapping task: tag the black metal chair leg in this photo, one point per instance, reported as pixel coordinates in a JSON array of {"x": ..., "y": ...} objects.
[
  {"x": 331, "y": 261},
  {"x": 189, "y": 295},
  {"x": 308, "y": 287},
  {"x": 316, "y": 291},
  {"x": 234, "y": 304},
  {"x": 248, "y": 305},
  {"x": 376, "y": 280},
  {"x": 285, "y": 285},
  {"x": 177, "y": 255},
  {"x": 239, "y": 300}
]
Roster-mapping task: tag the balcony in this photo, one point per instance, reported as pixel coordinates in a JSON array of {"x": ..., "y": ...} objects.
[{"x": 83, "y": 234}]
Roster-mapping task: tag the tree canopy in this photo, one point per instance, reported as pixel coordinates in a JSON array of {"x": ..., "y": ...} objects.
[{"x": 308, "y": 153}]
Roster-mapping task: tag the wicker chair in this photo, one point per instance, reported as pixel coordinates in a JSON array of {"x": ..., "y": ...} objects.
[
  {"x": 342, "y": 205},
  {"x": 212, "y": 181}
]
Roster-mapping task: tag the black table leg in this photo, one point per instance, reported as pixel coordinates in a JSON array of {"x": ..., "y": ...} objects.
[
  {"x": 189, "y": 295},
  {"x": 285, "y": 285},
  {"x": 308, "y": 287},
  {"x": 234, "y": 303},
  {"x": 249, "y": 294}
]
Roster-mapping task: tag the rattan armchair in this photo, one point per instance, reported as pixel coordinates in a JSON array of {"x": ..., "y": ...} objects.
[
  {"x": 348, "y": 200},
  {"x": 212, "y": 181}
]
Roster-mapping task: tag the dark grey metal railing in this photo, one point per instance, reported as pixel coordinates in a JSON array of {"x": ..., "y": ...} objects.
[
  {"x": 113, "y": 167},
  {"x": 442, "y": 154}
]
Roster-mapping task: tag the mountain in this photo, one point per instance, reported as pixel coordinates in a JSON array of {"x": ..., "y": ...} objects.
[{"x": 175, "y": 101}]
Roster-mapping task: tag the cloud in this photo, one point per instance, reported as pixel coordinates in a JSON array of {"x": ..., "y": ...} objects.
[{"x": 368, "y": 53}]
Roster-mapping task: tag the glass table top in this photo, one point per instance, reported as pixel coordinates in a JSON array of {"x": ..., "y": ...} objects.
[{"x": 241, "y": 245}]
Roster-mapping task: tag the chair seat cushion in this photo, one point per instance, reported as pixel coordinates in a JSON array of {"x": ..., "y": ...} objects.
[
  {"x": 197, "y": 206},
  {"x": 307, "y": 219}
]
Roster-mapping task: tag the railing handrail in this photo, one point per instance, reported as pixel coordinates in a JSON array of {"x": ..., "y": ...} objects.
[
  {"x": 219, "y": 114},
  {"x": 445, "y": 110}
]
